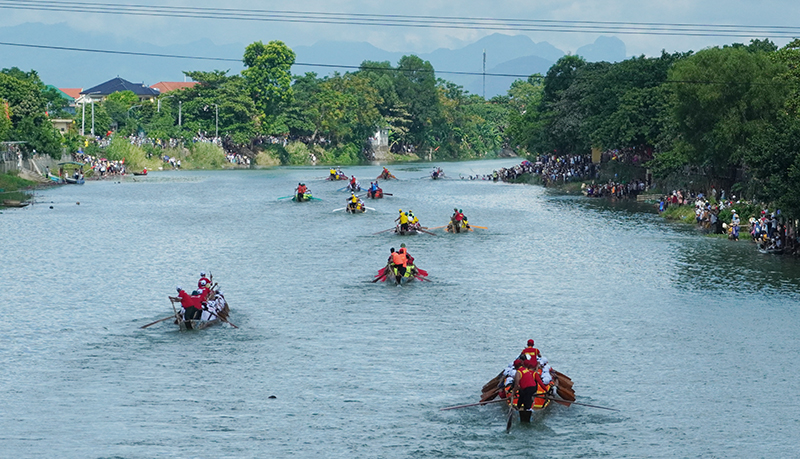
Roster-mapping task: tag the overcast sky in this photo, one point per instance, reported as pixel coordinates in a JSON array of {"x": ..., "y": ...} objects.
[{"x": 161, "y": 30}]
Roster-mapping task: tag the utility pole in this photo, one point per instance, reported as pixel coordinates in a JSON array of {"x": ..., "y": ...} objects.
[
  {"x": 484, "y": 74},
  {"x": 83, "y": 117},
  {"x": 179, "y": 112}
]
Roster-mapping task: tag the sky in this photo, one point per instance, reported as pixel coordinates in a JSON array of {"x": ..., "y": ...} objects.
[{"x": 165, "y": 30}]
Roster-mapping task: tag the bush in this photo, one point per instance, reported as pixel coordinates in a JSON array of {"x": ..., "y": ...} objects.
[
  {"x": 135, "y": 157},
  {"x": 204, "y": 155}
]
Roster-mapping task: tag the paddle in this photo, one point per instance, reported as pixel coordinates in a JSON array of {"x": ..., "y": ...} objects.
[
  {"x": 472, "y": 404},
  {"x": 581, "y": 404},
  {"x": 420, "y": 278},
  {"x": 369, "y": 208},
  {"x": 286, "y": 197},
  {"x": 379, "y": 277},
  {"x": 437, "y": 227},
  {"x": 379, "y": 232},
  {"x": 221, "y": 318},
  {"x": 337, "y": 210},
  {"x": 388, "y": 194},
  {"x": 510, "y": 418},
  {"x": 426, "y": 232},
  {"x": 159, "y": 320},
  {"x": 476, "y": 226}
]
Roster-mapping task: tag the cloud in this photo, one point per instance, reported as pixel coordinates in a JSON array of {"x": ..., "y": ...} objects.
[{"x": 162, "y": 30}]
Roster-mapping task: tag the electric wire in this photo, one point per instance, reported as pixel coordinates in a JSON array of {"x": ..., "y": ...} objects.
[{"x": 394, "y": 20}]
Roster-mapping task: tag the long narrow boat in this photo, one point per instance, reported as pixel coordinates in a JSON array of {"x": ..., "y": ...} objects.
[
  {"x": 14, "y": 203},
  {"x": 411, "y": 231},
  {"x": 217, "y": 311},
  {"x": 559, "y": 391},
  {"x": 74, "y": 181},
  {"x": 390, "y": 274}
]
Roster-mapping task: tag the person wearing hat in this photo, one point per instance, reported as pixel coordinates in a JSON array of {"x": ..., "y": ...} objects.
[
  {"x": 192, "y": 304},
  {"x": 398, "y": 262},
  {"x": 203, "y": 280},
  {"x": 526, "y": 384},
  {"x": 403, "y": 220},
  {"x": 301, "y": 192},
  {"x": 735, "y": 225},
  {"x": 530, "y": 352}
]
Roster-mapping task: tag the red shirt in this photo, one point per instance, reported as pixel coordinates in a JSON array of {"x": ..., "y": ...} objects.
[{"x": 189, "y": 301}]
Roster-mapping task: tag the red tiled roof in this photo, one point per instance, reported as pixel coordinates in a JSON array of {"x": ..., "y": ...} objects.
[
  {"x": 72, "y": 92},
  {"x": 167, "y": 86}
]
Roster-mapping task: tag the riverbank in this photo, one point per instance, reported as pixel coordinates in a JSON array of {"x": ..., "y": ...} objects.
[{"x": 14, "y": 188}]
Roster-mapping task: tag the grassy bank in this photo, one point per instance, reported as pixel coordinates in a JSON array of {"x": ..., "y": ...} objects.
[
  {"x": 11, "y": 188},
  {"x": 197, "y": 156}
]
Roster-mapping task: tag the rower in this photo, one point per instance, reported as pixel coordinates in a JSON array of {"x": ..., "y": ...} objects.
[
  {"x": 301, "y": 192},
  {"x": 352, "y": 201},
  {"x": 399, "y": 264},
  {"x": 410, "y": 268},
  {"x": 529, "y": 352},
  {"x": 526, "y": 385},
  {"x": 203, "y": 279},
  {"x": 192, "y": 305},
  {"x": 373, "y": 189},
  {"x": 463, "y": 219},
  {"x": 333, "y": 174},
  {"x": 412, "y": 219},
  {"x": 403, "y": 219}
]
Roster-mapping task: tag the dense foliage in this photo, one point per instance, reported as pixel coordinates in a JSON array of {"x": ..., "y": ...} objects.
[{"x": 724, "y": 116}]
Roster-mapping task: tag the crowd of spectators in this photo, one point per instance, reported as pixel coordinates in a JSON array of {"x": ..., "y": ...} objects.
[{"x": 102, "y": 167}]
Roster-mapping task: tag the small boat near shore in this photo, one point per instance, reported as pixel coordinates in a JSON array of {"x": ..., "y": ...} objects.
[
  {"x": 74, "y": 181},
  {"x": 15, "y": 203}
]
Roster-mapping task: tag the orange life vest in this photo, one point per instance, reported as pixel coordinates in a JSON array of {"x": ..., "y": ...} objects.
[{"x": 398, "y": 259}]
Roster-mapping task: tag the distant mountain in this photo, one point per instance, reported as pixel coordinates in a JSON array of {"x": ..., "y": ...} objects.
[
  {"x": 508, "y": 54},
  {"x": 498, "y": 85},
  {"x": 67, "y": 69},
  {"x": 604, "y": 49}
]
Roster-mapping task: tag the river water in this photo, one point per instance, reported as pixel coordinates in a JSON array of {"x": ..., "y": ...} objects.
[{"x": 693, "y": 339}]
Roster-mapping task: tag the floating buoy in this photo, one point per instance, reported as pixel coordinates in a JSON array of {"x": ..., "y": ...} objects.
[{"x": 272, "y": 396}]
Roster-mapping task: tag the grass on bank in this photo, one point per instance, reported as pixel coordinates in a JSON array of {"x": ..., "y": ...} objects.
[{"x": 11, "y": 187}]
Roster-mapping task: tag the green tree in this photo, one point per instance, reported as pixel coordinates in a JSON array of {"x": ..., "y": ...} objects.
[
  {"x": 25, "y": 95},
  {"x": 415, "y": 83},
  {"x": 268, "y": 78},
  {"x": 723, "y": 96}
]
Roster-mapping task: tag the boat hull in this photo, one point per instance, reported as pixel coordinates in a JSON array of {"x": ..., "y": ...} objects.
[{"x": 185, "y": 325}]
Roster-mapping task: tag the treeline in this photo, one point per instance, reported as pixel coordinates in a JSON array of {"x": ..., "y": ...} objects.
[
  {"x": 724, "y": 117},
  {"x": 332, "y": 117}
]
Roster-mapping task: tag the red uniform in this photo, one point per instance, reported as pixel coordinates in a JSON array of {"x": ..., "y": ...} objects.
[
  {"x": 200, "y": 282},
  {"x": 531, "y": 352},
  {"x": 189, "y": 301}
]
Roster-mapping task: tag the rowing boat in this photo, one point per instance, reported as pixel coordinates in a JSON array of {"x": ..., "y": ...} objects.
[
  {"x": 74, "y": 181},
  {"x": 305, "y": 197},
  {"x": 389, "y": 272},
  {"x": 461, "y": 228},
  {"x": 215, "y": 310},
  {"x": 559, "y": 390},
  {"x": 14, "y": 203},
  {"x": 355, "y": 210},
  {"x": 409, "y": 232}
]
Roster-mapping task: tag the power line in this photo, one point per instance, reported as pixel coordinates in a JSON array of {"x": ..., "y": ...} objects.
[
  {"x": 228, "y": 59},
  {"x": 393, "y": 20},
  {"x": 359, "y": 67}
]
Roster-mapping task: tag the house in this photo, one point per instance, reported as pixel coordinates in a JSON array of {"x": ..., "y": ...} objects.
[
  {"x": 61, "y": 125},
  {"x": 103, "y": 90},
  {"x": 168, "y": 86}
]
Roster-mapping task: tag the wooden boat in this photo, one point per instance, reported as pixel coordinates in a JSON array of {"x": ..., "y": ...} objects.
[
  {"x": 140, "y": 173},
  {"x": 360, "y": 209},
  {"x": 209, "y": 318},
  {"x": 377, "y": 195},
  {"x": 457, "y": 229},
  {"x": 559, "y": 391},
  {"x": 14, "y": 203},
  {"x": 411, "y": 231},
  {"x": 386, "y": 175},
  {"x": 305, "y": 197},
  {"x": 437, "y": 173},
  {"x": 388, "y": 272},
  {"x": 338, "y": 177},
  {"x": 74, "y": 181},
  {"x": 762, "y": 248}
]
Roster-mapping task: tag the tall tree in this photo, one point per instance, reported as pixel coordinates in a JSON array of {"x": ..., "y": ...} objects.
[{"x": 269, "y": 79}]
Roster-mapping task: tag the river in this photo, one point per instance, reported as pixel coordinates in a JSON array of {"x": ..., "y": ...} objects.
[{"x": 693, "y": 339}]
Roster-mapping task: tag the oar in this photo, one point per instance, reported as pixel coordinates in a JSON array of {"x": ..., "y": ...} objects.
[
  {"x": 579, "y": 403},
  {"x": 380, "y": 276},
  {"x": 157, "y": 321},
  {"x": 510, "y": 418},
  {"x": 379, "y": 232},
  {"x": 337, "y": 210},
  {"x": 222, "y": 319},
  {"x": 370, "y": 208},
  {"x": 286, "y": 197},
  {"x": 420, "y": 278},
  {"x": 388, "y": 194},
  {"x": 472, "y": 404},
  {"x": 437, "y": 227},
  {"x": 426, "y": 232},
  {"x": 476, "y": 226}
]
